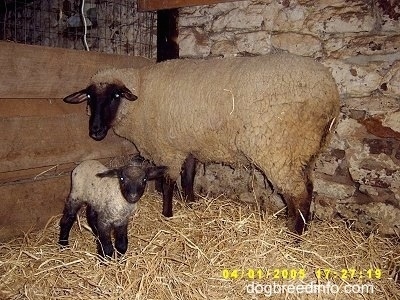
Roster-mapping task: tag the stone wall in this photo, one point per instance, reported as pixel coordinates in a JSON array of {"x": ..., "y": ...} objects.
[{"x": 358, "y": 176}]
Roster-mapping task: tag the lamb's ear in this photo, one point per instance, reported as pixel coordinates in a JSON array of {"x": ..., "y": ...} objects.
[
  {"x": 77, "y": 97},
  {"x": 155, "y": 172},
  {"x": 127, "y": 94},
  {"x": 108, "y": 173}
]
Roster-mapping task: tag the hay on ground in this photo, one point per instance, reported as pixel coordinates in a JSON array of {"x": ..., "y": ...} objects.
[{"x": 185, "y": 257}]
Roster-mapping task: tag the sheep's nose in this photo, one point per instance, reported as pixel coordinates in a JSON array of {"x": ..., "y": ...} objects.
[
  {"x": 96, "y": 127},
  {"x": 98, "y": 134}
]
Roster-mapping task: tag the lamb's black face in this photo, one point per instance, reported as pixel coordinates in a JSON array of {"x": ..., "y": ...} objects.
[
  {"x": 133, "y": 179},
  {"x": 104, "y": 100},
  {"x": 132, "y": 183}
]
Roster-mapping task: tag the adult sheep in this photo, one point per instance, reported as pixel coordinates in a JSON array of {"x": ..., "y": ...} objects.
[{"x": 273, "y": 111}]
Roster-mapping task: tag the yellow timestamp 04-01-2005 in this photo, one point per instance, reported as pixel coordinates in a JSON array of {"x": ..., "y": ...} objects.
[{"x": 301, "y": 273}]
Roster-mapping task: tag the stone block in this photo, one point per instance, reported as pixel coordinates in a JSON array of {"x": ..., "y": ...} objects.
[
  {"x": 390, "y": 83},
  {"x": 301, "y": 44}
]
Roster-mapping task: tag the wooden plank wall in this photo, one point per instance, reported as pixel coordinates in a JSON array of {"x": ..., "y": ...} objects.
[{"x": 42, "y": 137}]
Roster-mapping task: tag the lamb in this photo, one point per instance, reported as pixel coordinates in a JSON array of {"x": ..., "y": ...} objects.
[
  {"x": 111, "y": 197},
  {"x": 275, "y": 112}
]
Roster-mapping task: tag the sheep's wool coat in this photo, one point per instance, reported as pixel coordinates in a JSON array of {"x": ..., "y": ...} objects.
[
  {"x": 274, "y": 111},
  {"x": 103, "y": 194}
]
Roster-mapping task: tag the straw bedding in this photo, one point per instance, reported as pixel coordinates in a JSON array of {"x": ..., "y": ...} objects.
[{"x": 184, "y": 258}]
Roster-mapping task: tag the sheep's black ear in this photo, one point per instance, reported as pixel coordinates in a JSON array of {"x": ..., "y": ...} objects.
[
  {"x": 127, "y": 94},
  {"x": 108, "y": 173},
  {"x": 155, "y": 172},
  {"x": 77, "y": 97}
]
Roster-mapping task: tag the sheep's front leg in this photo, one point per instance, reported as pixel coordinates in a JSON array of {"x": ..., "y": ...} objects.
[
  {"x": 168, "y": 192},
  {"x": 71, "y": 208},
  {"x": 121, "y": 238},
  {"x": 187, "y": 177},
  {"x": 104, "y": 244}
]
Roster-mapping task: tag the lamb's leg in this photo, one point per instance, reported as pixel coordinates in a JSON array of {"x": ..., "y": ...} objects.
[
  {"x": 71, "y": 208},
  {"x": 104, "y": 244},
  {"x": 187, "y": 177},
  {"x": 91, "y": 216},
  {"x": 168, "y": 191},
  {"x": 121, "y": 238}
]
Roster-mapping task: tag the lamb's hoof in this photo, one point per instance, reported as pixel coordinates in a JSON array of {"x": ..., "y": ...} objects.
[
  {"x": 63, "y": 243},
  {"x": 105, "y": 259}
]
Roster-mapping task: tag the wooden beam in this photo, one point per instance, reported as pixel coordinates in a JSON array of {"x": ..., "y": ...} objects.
[
  {"x": 42, "y": 72},
  {"x": 45, "y": 172},
  {"x": 149, "y": 5}
]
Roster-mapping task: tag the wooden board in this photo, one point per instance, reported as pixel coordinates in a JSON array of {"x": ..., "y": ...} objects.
[
  {"x": 45, "y": 133},
  {"x": 42, "y": 72},
  {"x": 28, "y": 206},
  {"x": 147, "y": 5}
]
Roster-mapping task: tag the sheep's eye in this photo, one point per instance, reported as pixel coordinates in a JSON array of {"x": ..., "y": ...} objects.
[
  {"x": 121, "y": 178},
  {"x": 117, "y": 96},
  {"x": 144, "y": 179}
]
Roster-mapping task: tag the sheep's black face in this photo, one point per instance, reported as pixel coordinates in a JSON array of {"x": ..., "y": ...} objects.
[
  {"x": 104, "y": 100},
  {"x": 103, "y": 103}
]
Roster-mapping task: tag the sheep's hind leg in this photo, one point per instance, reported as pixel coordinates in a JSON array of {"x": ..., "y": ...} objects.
[
  {"x": 71, "y": 208},
  {"x": 298, "y": 203}
]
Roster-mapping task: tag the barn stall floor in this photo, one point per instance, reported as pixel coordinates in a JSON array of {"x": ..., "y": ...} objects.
[{"x": 185, "y": 258}]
